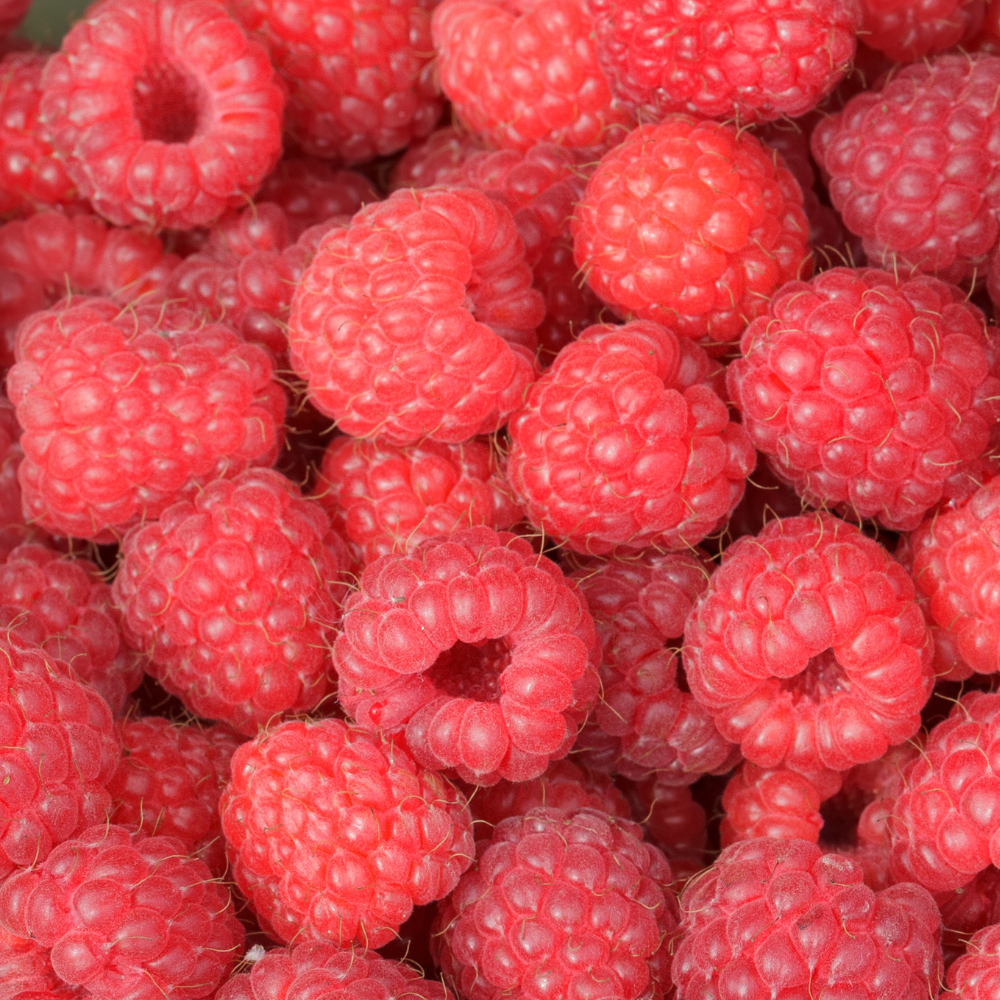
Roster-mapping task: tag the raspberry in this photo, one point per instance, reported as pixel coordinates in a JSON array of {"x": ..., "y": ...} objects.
[
  {"x": 808, "y": 647},
  {"x": 25, "y": 969},
  {"x": 400, "y": 324},
  {"x": 574, "y": 899},
  {"x": 673, "y": 821},
  {"x": 386, "y": 498},
  {"x": 13, "y": 529},
  {"x": 365, "y": 833},
  {"x": 163, "y": 111},
  {"x": 779, "y": 804},
  {"x": 429, "y": 162},
  {"x": 476, "y": 649},
  {"x": 968, "y": 910},
  {"x": 169, "y": 781},
  {"x": 906, "y": 31},
  {"x": 233, "y": 597},
  {"x": 766, "y": 499},
  {"x": 729, "y": 59},
  {"x": 12, "y": 13},
  {"x": 622, "y": 443},
  {"x": 874, "y": 396},
  {"x": 692, "y": 224},
  {"x": 976, "y": 975},
  {"x": 164, "y": 411},
  {"x": 779, "y": 916},
  {"x": 911, "y": 168},
  {"x": 126, "y": 915}
]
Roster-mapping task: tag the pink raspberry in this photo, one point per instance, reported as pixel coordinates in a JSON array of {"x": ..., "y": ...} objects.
[
  {"x": 428, "y": 162},
  {"x": 476, "y": 649},
  {"x": 25, "y": 969},
  {"x": 403, "y": 323},
  {"x": 366, "y": 833},
  {"x": 673, "y": 821},
  {"x": 386, "y": 498},
  {"x": 163, "y": 111},
  {"x": 874, "y": 396},
  {"x": 912, "y": 169},
  {"x": 14, "y": 529},
  {"x": 166, "y": 410},
  {"x": 779, "y": 916},
  {"x": 966, "y": 910},
  {"x": 126, "y": 915},
  {"x": 779, "y": 804},
  {"x": 729, "y": 59},
  {"x": 692, "y": 224},
  {"x": 574, "y": 899},
  {"x": 808, "y": 648},
  {"x": 976, "y": 975},
  {"x": 622, "y": 443},
  {"x": 906, "y": 31},
  {"x": 233, "y": 597}
]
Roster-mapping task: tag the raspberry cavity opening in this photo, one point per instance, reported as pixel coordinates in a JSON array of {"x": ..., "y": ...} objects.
[{"x": 167, "y": 101}]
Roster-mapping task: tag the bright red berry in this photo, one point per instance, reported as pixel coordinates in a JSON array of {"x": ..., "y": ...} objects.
[
  {"x": 907, "y": 31},
  {"x": 14, "y": 529},
  {"x": 965, "y": 911},
  {"x": 976, "y": 975},
  {"x": 25, "y": 970},
  {"x": 779, "y": 804},
  {"x": 428, "y": 162}
]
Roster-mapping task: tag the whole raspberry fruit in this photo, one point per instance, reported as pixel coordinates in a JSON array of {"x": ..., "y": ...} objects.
[
  {"x": 907, "y": 31},
  {"x": 673, "y": 821},
  {"x": 429, "y": 162},
  {"x": 808, "y": 647},
  {"x": 163, "y": 111},
  {"x": 336, "y": 835},
  {"x": 622, "y": 443},
  {"x": 691, "y": 224},
  {"x": 779, "y": 804},
  {"x": 976, "y": 975},
  {"x": 233, "y": 597},
  {"x": 165, "y": 410},
  {"x": 126, "y": 915},
  {"x": 400, "y": 325},
  {"x": 806, "y": 924}
]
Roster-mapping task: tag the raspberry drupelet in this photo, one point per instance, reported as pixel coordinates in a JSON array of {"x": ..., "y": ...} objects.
[
  {"x": 233, "y": 597},
  {"x": 779, "y": 804},
  {"x": 907, "y": 31},
  {"x": 14, "y": 529},
  {"x": 181, "y": 121},
  {"x": 691, "y": 224},
  {"x": 976, "y": 974},
  {"x": 430, "y": 161},
  {"x": 335, "y": 835},
  {"x": 476, "y": 650},
  {"x": 623, "y": 442},
  {"x": 966, "y": 910},
  {"x": 126, "y": 915},
  {"x": 25, "y": 970}
]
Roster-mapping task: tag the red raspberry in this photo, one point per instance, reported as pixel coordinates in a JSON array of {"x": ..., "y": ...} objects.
[
  {"x": 779, "y": 916},
  {"x": 870, "y": 395},
  {"x": 13, "y": 529},
  {"x": 233, "y": 597},
  {"x": 401, "y": 323},
  {"x": 386, "y": 498},
  {"x": 808, "y": 647},
  {"x": 976, "y": 975},
  {"x": 703, "y": 241},
  {"x": 365, "y": 833},
  {"x": 25, "y": 969},
  {"x": 169, "y": 781},
  {"x": 729, "y": 59},
  {"x": 126, "y": 915},
  {"x": 622, "y": 443},
  {"x": 779, "y": 804},
  {"x": 906, "y": 31},
  {"x": 165, "y": 411},
  {"x": 673, "y": 821},
  {"x": 477, "y": 649},
  {"x": 766, "y": 499},
  {"x": 163, "y": 111},
  {"x": 429, "y": 162},
  {"x": 968, "y": 910},
  {"x": 574, "y": 899},
  {"x": 912, "y": 169},
  {"x": 12, "y": 13}
]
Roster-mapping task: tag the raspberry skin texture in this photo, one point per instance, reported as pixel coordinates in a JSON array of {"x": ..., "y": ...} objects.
[
  {"x": 169, "y": 782},
  {"x": 907, "y": 31},
  {"x": 476, "y": 650},
  {"x": 418, "y": 320},
  {"x": 386, "y": 498},
  {"x": 126, "y": 915},
  {"x": 976, "y": 974},
  {"x": 622, "y": 443},
  {"x": 779, "y": 804},
  {"x": 14, "y": 530},
  {"x": 233, "y": 597},
  {"x": 693, "y": 225},
  {"x": 966, "y": 911},
  {"x": 335, "y": 835},
  {"x": 781, "y": 917},
  {"x": 25, "y": 969},
  {"x": 429, "y": 162},
  {"x": 740, "y": 59},
  {"x": 808, "y": 647},
  {"x": 673, "y": 822},
  {"x": 163, "y": 111},
  {"x": 124, "y": 414},
  {"x": 870, "y": 395},
  {"x": 560, "y": 903}
]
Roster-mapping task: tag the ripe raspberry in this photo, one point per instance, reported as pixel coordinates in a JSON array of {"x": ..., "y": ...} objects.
[
  {"x": 14, "y": 530},
  {"x": 386, "y": 498},
  {"x": 779, "y": 916},
  {"x": 164, "y": 411},
  {"x": 401, "y": 323},
  {"x": 808, "y": 647},
  {"x": 429, "y": 162},
  {"x": 871, "y": 395},
  {"x": 163, "y": 111},
  {"x": 766, "y": 498},
  {"x": 126, "y": 915},
  {"x": 779, "y": 804},
  {"x": 912, "y": 171},
  {"x": 233, "y": 597},
  {"x": 976, "y": 975},
  {"x": 25, "y": 969},
  {"x": 11, "y": 14},
  {"x": 475, "y": 648},
  {"x": 673, "y": 821},
  {"x": 968, "y": 910},
  {"x": 574, "y": 899},
  {"x": 691, "y": 224},
  {"x": 906, "y": 31},
  {"x": 365, "y": 833},
  {"x": 622, "y": 443},
  {"x": 729, "y": 59}
]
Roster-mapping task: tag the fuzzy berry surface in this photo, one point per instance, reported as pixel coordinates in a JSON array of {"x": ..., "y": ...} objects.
[
  {"x": 907, "y": 31},
  {"x": 335, "y": 835},
  {"x": 14, "y": 529},
  {"x": 778, "y": 803},
  {"x": 430, "y": 161},
  {"x": 966, "y": 911},
  {"x": 976, "y": 974}
]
